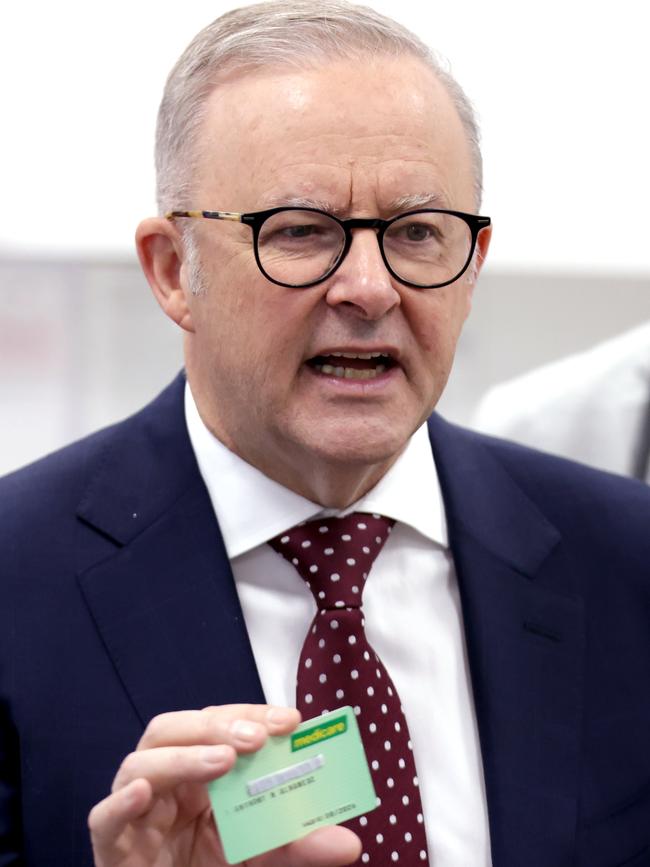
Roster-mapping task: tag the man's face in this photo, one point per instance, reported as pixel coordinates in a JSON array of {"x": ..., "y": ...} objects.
[{"x": 359, "y": 140}]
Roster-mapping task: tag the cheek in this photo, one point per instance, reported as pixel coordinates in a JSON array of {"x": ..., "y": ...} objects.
[{"x": 438, "y": 320}]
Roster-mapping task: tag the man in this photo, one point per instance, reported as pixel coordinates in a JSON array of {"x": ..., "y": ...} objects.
[
  {"x": 592, "y": 407},
  {"x": 145, "y": 644}
]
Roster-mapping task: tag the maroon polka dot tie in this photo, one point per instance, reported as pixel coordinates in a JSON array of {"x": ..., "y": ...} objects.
[{"x": 338, "y": 667}]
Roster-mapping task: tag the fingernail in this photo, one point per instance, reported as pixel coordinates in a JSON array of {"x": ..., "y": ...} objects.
[
  {"x": 243, "y": 730},
  {"x": 213, "y": 755},
  {"x": 279, "y": 716}
]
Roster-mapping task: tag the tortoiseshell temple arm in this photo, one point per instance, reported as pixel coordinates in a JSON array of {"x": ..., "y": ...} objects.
[{"x": 205, "y": 215}]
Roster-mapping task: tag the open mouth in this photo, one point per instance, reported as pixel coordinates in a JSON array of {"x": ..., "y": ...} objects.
[{"x": 352, "y": 365}]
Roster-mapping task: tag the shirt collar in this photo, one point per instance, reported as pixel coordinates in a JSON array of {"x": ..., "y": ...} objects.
[{"x": 252, "y": 508}]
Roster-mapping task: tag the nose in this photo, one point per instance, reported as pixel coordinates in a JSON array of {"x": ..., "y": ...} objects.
[{"x": 362, "y": 282}]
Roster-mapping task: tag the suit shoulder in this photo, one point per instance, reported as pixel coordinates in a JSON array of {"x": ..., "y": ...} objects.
[
  {"x": 56, "y": 482},
  {"x": 571, "y": 493},
  {"x": 44, "y": 492}
]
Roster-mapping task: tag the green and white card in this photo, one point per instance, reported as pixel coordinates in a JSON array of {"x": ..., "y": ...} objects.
[{"x": 318, "y": 775}]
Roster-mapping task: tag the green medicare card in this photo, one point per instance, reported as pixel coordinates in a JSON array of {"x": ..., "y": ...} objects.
[{"x": 316, "y": 776}]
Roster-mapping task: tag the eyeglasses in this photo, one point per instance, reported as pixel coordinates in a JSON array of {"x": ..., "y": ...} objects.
[{"x": 300, "y": 247}]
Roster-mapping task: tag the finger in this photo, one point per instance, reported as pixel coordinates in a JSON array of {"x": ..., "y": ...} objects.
[
  {"x": 167, "y": 767},
  {"x": 333, "y": 846},
  {"x": 245, "y": 727},
  {"x": 109, "y": 818}
]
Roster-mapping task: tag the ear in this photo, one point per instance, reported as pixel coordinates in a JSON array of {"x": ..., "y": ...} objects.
[
  {"x": 161, "y": 253},
  {"x": 482, "y": 247}
]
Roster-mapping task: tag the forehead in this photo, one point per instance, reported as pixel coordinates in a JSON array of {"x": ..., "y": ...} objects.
[{"x": 350, "y": 135}]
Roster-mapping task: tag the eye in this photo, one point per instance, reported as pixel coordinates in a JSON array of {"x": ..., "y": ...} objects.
[
  {"x": 418, "y": 232},
  {"x": 303, "y": 231}
]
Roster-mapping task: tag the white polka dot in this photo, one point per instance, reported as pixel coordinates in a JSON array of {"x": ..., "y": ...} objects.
[
  {"x": 309, "y": 698},
  {"x": 335, "y": 576},
  {"x": 416, "y": 782},
  {"x": 390, "y": 782},
  {"x": 334, "y": 624},
  {"x": 376, "y": 516},
  {"x": 387, "y": 745},
  {"x": 313, "y": 630},
  {"x": 306, "y": 544},
  {"x": 405, "y": 800},
  {"x": 402, "y": 764},
  {"x": 398, "y": 727},
  {"x": 420, "y": 818},
  {"x": 372, "y": 728},
  {"x": 378, "y": 801},
  {"x": 379, "y": 838},
  {"x": 328, "y": 551},
  {"x": 321, "y": 595},
  {"x": 362, "y": 526},
  {"x": 355, "y": 589},
  {"x": 366, "y": 655},
  {"x": 378, "y": 673},
  {"x": 313, "y": 569},
  {"x": 284, "y": 540},
  {"x": 354, "y": 674},
  {"x": 384, "y": 709},
  {"x": 295, "y": 561},
  {"x": 336, "y": 658},
  {"x": 363, "y": 821},
  {"x": 366, "y": 549},
  {"x": 324, "y": 711},
  {"x": 365, "y": 574},
  {"x": 308, "y": 663},
  {"x": 378, "y": 540},
  {"x": 339, "y": 604},
  {"x": 394, "y": 856},
  {"x": 410, "y": 745},
  {"x": 357, "y": 710},
  {"x": 323, "y": 529},
  {"x": 423, "y": 855},
  {"x": 389, "y": 691},
  {"x": 339, "y": 693},
  {"x": 370, "y": 691},
  {"x": 321, "y": 641},
  {"x": 351, "y": 561},
  {"x": 375, "y": 765},
  {"x": 408, "y": 836},
  {"x": 365, "y": 857},
  {"x": 392, "y": 819},
  {"x": 322, "y": 678},
  {"x": 352, "y": 639},
  {"x": 346, "y": 537}
]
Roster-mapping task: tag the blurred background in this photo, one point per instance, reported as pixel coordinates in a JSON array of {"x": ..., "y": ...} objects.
[{"x": 561, "y": 93}]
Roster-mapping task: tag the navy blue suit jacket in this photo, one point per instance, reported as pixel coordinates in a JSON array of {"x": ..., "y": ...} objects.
[{"x": 117, "y": 603}]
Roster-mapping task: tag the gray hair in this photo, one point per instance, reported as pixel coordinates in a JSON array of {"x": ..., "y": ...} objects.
[{"x": 287, "y": 33}]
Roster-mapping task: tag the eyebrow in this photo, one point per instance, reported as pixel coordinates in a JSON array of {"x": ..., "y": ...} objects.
[
  {"x": 403, "y": 203},
  {"x": 419, "y": 200},
  {"x": 303, "y": 202}
]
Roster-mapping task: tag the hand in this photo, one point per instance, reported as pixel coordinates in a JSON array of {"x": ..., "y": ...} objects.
[{"x": 159, "y": 814}]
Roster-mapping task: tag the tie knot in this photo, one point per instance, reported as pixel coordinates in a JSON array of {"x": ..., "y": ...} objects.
[{"x": 335, "y": 555}]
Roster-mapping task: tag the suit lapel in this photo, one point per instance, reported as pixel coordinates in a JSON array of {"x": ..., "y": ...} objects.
[
  {"x": 164, "y": 601},
  {"x": 524, "y": 635}
]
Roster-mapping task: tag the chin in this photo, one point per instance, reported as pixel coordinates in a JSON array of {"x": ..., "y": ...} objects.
[{"x": 361, "y": 443}]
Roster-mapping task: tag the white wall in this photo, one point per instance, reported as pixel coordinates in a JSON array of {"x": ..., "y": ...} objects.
[{"x": 561, "y": 87}]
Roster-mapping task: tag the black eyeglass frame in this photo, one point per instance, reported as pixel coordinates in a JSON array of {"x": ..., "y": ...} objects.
[{"x": 256, "y": 220}]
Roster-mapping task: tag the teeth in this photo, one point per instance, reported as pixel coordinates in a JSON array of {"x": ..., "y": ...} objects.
[
  {"x": 364, "y": 355},
  {"x": 350, "y": 372}
]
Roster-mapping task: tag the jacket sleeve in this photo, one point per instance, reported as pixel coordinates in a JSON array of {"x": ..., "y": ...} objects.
[{"x": 10, "y": 821}]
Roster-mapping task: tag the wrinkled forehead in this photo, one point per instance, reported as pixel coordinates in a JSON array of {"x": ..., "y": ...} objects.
[{"x": 343, "y": 133}]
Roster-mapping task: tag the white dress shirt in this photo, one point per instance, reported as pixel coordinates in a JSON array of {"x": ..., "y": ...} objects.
[{"x": 412, "y": 611}]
